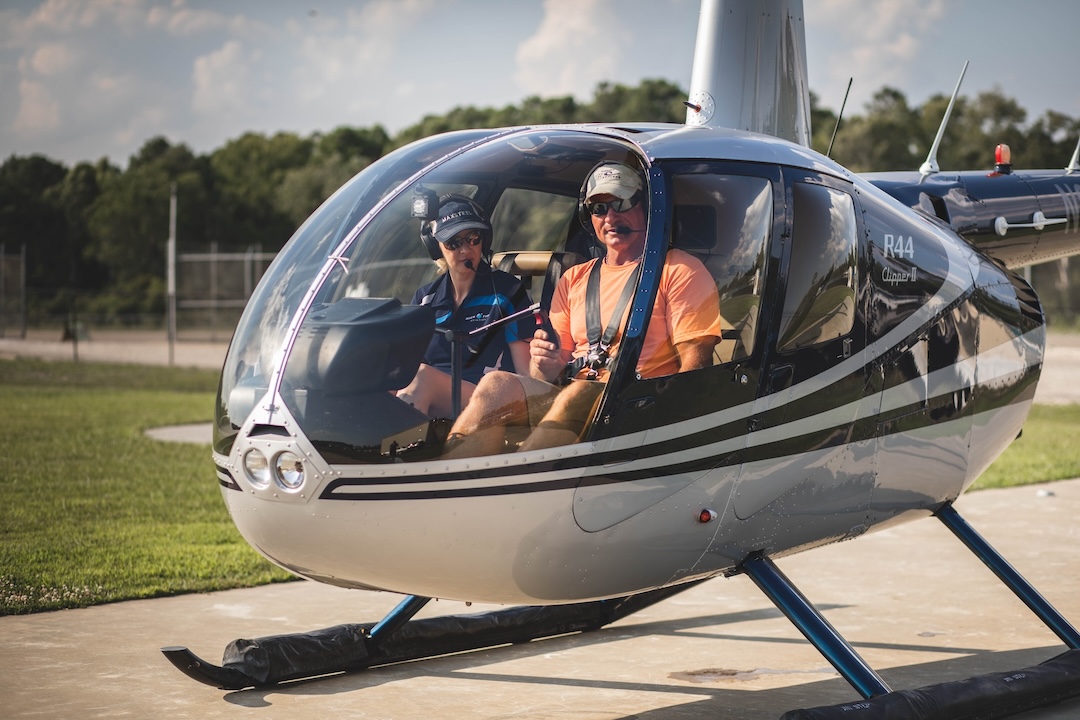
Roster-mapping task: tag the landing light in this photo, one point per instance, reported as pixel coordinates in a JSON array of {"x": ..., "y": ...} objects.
[
  {"x": 257, "y": 467},
  {"x": 289, "y": 470}
]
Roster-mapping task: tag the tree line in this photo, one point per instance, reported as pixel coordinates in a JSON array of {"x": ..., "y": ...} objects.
[{"x": 97, "y": 232}]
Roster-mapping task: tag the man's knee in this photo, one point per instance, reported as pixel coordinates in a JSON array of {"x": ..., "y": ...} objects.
[
  {"x": 498, "y": 378},
  {"x": 498, "y": 387}
]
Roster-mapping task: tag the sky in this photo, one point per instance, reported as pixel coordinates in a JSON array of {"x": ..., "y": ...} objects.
[{"x": 86, "y": 79}]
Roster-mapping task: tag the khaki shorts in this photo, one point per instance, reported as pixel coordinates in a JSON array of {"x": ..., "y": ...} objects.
[{"x": 540, "y": 396}]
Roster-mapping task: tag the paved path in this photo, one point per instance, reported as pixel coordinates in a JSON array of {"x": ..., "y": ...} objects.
[{"x": 133, "y": 348}]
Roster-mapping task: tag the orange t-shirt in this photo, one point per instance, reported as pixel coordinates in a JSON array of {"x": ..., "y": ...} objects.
[{"x": 687, "y": 307}]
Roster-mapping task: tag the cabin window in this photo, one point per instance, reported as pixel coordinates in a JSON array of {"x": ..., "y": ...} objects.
[
  {"x": 532, "y": 220},
  {"x": 820, "y": 300},
  {"x": 724, "y": 221}
]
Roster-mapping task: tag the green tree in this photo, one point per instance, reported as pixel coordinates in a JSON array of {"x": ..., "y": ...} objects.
[
  {"x": 887, "y": 138},
  {"x": 822, "y": 125},
  {"x": 303, "y": 189},
  {"x": 129, "y": 222},
  {"x": 350, "y": 143},
  {"x": 651, "y": 101},
  {"x": 28, "y": 215},
  {"x": 247, "y": 175},
  {"x": 1049, "y": 142},
  {"x": 74, "y": 198}
]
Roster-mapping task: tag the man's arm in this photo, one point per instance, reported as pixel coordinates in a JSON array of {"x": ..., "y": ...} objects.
[
  {"x": 696, "y": 353},
  {"x": 521, "y": 355}
]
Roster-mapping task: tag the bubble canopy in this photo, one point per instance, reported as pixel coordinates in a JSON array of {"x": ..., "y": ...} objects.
[{"x": 330, "y": 330}]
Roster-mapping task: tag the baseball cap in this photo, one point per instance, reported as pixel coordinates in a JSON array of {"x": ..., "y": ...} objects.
[
  {"x": 614, "y": 179},
  {"x": 455, "y": 216}
]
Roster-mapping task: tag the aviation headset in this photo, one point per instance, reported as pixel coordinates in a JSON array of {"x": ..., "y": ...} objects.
[
  {"x": 427, "y": 228},
  {"x": 582, "y": 213}
]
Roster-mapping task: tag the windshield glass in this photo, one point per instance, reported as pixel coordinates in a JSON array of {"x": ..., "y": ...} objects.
[
  {"x": 262, "y": 328},
  {"x": 459, "y": 267}
]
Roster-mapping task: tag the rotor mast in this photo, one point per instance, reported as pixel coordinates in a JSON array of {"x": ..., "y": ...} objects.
[{"x": 750, "y": 69}]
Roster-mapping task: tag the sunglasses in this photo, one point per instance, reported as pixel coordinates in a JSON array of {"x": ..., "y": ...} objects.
[
  {"x": 454, "y": 243},
  {"x": 599, "y": 209}
]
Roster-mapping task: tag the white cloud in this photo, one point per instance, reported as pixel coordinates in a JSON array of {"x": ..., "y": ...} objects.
[
  {"x": 52, "y": 59},
  {"x": 387, "y": 18},
  {"x": 344, "y": 66},
  {"x": 85, "y": 78},
  {"x": 880, "y": 41},
  {"x": 222, "y": 80},
  {"x": 578, "y": 44},
  {"x": 65, "y": 16},
  {"x": 179, "y": 20},
  {"x": 54, "y": 15},
  {"x": 38, "y": 111}
]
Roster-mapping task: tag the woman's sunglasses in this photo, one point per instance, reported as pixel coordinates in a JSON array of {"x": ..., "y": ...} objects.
[{"x": 457, "y": 241}]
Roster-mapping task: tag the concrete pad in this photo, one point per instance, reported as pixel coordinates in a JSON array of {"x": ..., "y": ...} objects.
[
  {"x": 130, "y": 348},
  {"x": 194, "y": 433},
  {"x": 915, "y": 604}
]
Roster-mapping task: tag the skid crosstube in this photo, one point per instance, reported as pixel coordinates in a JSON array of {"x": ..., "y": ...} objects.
[
  {"x": 984, "y": 697},
  {"x": 280, "y": 658}
]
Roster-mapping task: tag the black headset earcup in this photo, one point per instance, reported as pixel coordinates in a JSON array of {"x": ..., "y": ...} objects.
[
  {"x": 430, "y": 243},
  {"x": 583, "y": 216}
]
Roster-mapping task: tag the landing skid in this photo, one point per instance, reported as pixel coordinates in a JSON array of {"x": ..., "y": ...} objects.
[
  {"x": 398, "y": 638},
  {"x": 980, "y": 698}
]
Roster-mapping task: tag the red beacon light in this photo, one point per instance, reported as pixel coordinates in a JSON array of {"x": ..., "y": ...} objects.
[{"x": 1002, "y": 159}]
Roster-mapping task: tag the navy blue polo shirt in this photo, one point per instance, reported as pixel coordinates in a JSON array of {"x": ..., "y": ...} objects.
[{"x": 494, "y": 294}]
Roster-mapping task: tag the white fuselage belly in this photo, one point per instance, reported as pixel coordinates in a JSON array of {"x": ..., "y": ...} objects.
[{"x": 493, "y": 542}]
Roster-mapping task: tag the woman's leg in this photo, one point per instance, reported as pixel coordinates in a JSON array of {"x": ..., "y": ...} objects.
[{"x": 431, "y": 390}]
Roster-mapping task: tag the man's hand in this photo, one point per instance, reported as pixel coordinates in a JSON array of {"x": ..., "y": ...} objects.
[{"x": 546, "y": 360}]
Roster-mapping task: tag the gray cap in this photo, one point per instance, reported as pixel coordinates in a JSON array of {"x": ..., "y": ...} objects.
[{"x": 614, "y": 179}]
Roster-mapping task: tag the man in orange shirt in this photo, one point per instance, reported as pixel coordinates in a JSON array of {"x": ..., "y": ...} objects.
[{"x": 683, "y": 328}]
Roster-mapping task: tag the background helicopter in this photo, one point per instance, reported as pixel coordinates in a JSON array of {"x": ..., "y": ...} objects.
[{"x": 879, "y": 353}]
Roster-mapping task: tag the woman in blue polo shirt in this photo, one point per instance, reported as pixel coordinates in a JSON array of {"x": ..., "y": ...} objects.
[{"x": 467, "y": 295}]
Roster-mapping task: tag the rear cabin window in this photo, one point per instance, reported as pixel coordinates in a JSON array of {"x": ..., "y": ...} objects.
[
  {"x": 724, "y": 220},
  {"x": 820, "y": 302}
]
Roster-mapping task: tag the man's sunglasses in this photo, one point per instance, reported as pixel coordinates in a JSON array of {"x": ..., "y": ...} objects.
[
  {"x": 599, "y": 209},
  {"x": 457, "y": 241}
]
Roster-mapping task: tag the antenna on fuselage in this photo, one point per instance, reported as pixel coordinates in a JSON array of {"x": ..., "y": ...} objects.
[
  {"x": 1074, "y": 164},
  {"x": 828, "y": 153},
  {"x": 931, "y": 165}
]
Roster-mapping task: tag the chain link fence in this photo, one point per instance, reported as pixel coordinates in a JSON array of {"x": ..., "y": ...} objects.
[
  {"x": 212, "y": 289},
  {"x": 12, "y": 291}
]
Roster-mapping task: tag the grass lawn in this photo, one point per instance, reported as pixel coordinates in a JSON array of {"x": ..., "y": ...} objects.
[
  {"x": 1048, "y": 449},
  {"x": 93, "y": 511}
]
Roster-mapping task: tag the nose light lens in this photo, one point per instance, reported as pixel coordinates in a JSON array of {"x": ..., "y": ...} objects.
[
  {"x": 257, "y": 467},
  {"x": 289, "y": 469}
]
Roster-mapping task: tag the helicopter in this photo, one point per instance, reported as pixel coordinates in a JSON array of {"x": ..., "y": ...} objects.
[{"x": 878, "y": 351}]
